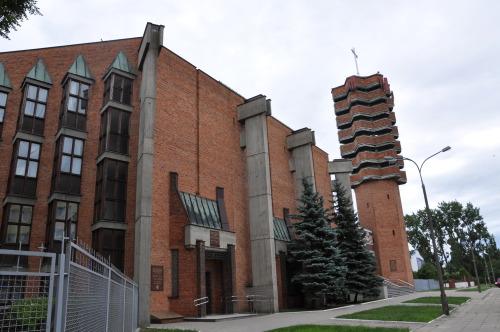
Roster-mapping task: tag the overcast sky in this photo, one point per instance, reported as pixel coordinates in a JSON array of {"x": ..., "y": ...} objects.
[{"x": 441, "y": 59}]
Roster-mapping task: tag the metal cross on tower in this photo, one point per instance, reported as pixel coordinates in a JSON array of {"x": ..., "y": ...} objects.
[{"x": 355, "y": 60}]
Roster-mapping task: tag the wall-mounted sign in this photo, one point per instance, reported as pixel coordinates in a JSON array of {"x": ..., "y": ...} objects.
[{"x": 156, "y": 278}]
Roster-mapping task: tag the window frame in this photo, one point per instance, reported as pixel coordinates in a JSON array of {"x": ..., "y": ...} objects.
[
  {"x": 68, "y": 181},
  {"x": 6, "y": 222},
  {"x": 75, "y": 119},
  {"x": 110, "y": 249},
  {"x": 114, "y": 133},
  {"x": 115, "y": 88},
  {"x": 111, "y": 191},
  {"x": 33, "y": 123},
  {"x": 3, "y": 109},
  {"x": 28, "y": 161},
  {"x": 52, "y": 242}
]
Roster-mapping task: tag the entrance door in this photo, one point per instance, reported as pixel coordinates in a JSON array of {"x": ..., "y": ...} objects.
[{"x": 208, "y": 288}]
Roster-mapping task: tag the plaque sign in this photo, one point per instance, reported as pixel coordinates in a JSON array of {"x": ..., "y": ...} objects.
[{"x": 156, "y": 278}]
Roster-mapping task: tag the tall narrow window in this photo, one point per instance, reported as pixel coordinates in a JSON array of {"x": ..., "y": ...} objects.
[
  {"x": 25, "y": 169},
  {"x": 111, "y": 190},
  {"x": 3, "y": 103},
  {"x": 75, "y": 105},
  {"x": 16, "y": 230},
  {"x": 111, "y": 244},
  {"x": 174, "y": 256},
  {"x": 115, "y": 127},
  {"x": 67, "y": 175},
  {"x": 118, "y": 88},
  {"x": 34, "y": 105}
]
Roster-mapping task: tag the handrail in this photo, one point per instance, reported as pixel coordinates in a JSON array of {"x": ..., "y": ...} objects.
[
  {"x": 406, "y": 284},
  {"x": 201, "y": 300}
]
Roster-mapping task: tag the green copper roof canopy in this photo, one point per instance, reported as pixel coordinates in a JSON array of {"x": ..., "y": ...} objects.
[
  {"x": 4, "y": 78},
  {"x": 39, "y": 72},
  {"x": 80, "y": 68},
  {"x": 201, "y": 211},
  {"x": 122, "y": 63}
]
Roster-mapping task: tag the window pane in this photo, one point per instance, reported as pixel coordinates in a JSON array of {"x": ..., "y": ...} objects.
[
  {"x": 2, "y": 111},
  {"x": 122, "y": 190},
  {"x": 27, "y": 212},
  {"x": 24, "y": 234},
  {"x": 72, "y": 211},
  {"x": 35, "y": 151},
  {"x": 77, "y": 166},
  {"x": 61, "y": 211},
  {"x": 65, "y": 164},
  {"x": 73, "y": 88},
  {"x": 68, "y": 145},
  {"x": 23, "y": 149},
  {"x": 42, "y": 95},
  {"x": 110, "y": 189},
  {"x": 125, "y": 123},
  {"x": 109, "y": 212},
  {"x": 82, "y": 109},
  {"x": 120, "y": 211},
  {"x": 111, "y": 169},
  {"x": 59, "y": 231},
  {"x": 78, "y": 149},
  {"x": 84, "y": 91},
  {"x": 119, "y": 240},
  {"x": 11, "y": 234},
  {"x": 15, "y": 210},
  {"x": 3, "y": 99},
  {"x": 122, "y": 171},
  {"x": 40, "y": 111},
  {"x": 30, "y": 108},
  {"x": 32, "y": 168},
  {"x": 21, "y": 167},
  {"x": 32, "y": 92},
  {"x": 72, "y": 236},
  {"x": 115, "y": 120},
  {"x": 72, "y": 102}
]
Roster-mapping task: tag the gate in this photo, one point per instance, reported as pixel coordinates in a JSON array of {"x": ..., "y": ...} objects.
[{"x": 91, "y": 295}]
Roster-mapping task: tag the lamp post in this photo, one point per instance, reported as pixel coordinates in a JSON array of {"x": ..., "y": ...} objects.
[{"x": 444, "y": 300}]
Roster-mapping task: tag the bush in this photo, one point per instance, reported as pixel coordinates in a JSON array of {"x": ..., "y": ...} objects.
[{"x": 30, "y": 312}]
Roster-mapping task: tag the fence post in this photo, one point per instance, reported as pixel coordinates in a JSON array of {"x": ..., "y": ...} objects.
[
  {"x": 108, "y": 299},
  {"x": 60, "y": 289}
]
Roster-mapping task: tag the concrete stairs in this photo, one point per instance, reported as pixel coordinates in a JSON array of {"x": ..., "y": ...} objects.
[{"x": 396, "y": 287}]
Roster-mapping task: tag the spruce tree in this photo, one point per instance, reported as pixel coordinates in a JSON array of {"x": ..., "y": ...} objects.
[
  {"x": 360, "y": 262},
  {"x": 315, "y": 247}
]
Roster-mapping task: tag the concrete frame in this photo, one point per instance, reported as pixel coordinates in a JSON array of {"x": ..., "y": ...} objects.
[
  {"x": 151, "y": 45},
  {"x": 342, "y": 169},
  {"x": 253, "y": 113}
]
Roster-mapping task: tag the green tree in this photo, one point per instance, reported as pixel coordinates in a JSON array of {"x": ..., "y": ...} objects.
[
  {"x": 12, "y": 12},
  {"x": 360, "y": 262},
  {"x": 315, "y": 247},
  {"x": 427, "y": 271}
]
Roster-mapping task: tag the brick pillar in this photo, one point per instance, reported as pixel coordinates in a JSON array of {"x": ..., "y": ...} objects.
[{"x": 200, "y": 272}]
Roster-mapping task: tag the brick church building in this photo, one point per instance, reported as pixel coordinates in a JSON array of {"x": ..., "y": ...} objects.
[{"x": 184, "y": 184}]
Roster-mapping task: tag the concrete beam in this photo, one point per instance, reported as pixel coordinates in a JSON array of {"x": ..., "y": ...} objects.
[
  {"x": 342, "y": 169},
  {"x": 300, "y": 143}
]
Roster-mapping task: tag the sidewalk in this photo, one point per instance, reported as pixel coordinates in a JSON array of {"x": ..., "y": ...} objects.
[{"x": 481, "y": 313}]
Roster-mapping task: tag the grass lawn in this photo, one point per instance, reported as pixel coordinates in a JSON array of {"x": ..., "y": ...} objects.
[
  {"x": 483, "y": 288},
  {"x": 329, "y": 328},
  {"x": 437, "y": 300},
  {"x": 169, "y": 330},
  {"x": 398, "y": 313}
]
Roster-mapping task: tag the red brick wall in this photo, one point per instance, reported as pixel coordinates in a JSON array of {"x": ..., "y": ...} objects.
[
  {"x": 58, "y": 60},
  {"x": 282, "y": 179},
  {"x": 197, "y": 135},
  {"x": 379, "y": 209}
]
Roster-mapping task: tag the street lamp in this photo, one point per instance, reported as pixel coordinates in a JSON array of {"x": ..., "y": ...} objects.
[{"x": 444, "y": 300}]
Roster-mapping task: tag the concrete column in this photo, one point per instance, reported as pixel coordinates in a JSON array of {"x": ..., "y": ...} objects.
[
  {"x": 300, "y": 142},
  {"x": 151, "y": 45},
  {"x": 342, "y": 169},
  {"x": 229, "y": 278},
  {"x": 253, "y": 114}
]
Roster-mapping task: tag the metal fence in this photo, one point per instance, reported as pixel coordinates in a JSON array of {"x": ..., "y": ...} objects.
[{"x": 92, "y": 295}]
